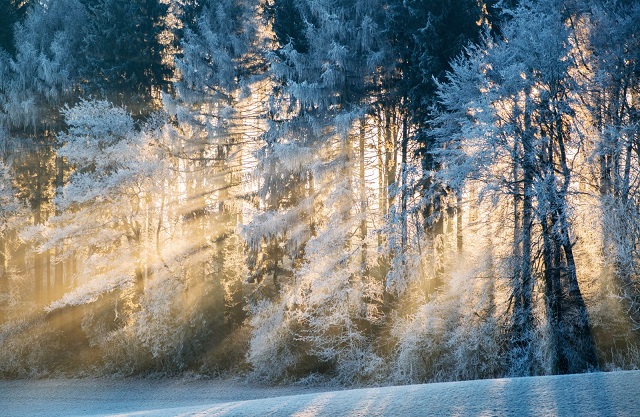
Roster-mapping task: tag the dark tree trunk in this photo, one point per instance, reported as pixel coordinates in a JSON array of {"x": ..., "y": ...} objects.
[
  {"x": 459, "y": 235},
  {"x": 522, "y": 295},
  {"x": 363, "y": 194},
  {"x": 404, "y": 195}
]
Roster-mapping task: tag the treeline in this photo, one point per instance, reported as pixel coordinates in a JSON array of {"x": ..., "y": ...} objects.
[{"x": 362, "y": 191}]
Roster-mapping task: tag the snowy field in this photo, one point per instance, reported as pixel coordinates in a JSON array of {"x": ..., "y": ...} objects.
[{"x": 599, "y": 394}]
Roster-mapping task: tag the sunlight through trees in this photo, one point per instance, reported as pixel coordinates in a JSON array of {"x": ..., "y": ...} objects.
[{"x": 358, "y": 191}]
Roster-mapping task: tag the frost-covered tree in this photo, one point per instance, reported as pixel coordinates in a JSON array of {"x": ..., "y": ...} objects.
[
  {"x": 315, "y": 213},
  {"x": 45, "y": 67},
  {"x": 7, "y": 21},
  {"x": 217, "y": 114},
  {"x": 512, "y": 104},
  {"x": 13, "y": 11},
  {"x": 37, "y": 79},
  {"x": 611, "y": 51},
  {"x": 424, "y": 37},
  {"x": 116, "y": 221},
  {"x": 103, "y": 209}
]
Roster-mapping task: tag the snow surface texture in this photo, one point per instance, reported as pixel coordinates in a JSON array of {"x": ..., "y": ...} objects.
[{"x": 597, "y": 394}]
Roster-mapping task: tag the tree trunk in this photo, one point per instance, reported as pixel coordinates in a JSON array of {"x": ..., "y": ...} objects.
[
  {"x": 580, "y": 354},
  {"x": 583, "y": 338},
  {"x": 391, "y": 152},
  {"x": 37, "y": 266},
  {"x": 404, "y": 195},
  {"x": 523, "y": 321},
  {"x": 459, "y": 236},
  {"x": 553, "y": 293},
  {"x": 363, "y": 195}
]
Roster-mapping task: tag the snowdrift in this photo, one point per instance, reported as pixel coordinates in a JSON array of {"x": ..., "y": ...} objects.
[{"x": 596, "y": 394}]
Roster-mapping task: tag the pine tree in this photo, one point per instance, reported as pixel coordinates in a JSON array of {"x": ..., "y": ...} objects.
[
  {"x": 424, "y": 36},
  {"x": 315, "y": 212},
  {"x": 8, "y": 18},
  {"x": 217, "y": 110},
  {"x": 44, "y": 70},
  {"x": 125, "y": 60}
]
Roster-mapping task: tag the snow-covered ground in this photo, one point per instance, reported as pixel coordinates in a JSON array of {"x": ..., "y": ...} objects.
[{"x": 597, "y": 394}]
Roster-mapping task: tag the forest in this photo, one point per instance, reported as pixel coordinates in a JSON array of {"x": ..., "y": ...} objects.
[{"x": 345, "y": 191}]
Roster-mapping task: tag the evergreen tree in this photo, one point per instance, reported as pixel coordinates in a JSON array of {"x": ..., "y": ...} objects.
[
  {"x": 315, "y": 213},
  {"x": 45, "y": 68},
  {"x": 424, "y": 37},
  {"x": 11, "y": 12},
  {"x": 125, "y": 58},
  {"x": 8, "y": 18},
  {"x": 288, "y": 24},
  {"x": 217, "y": 110}
]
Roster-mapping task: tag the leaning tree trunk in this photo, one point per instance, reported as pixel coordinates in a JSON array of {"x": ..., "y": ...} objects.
[{"x": 578, "y": 347}]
